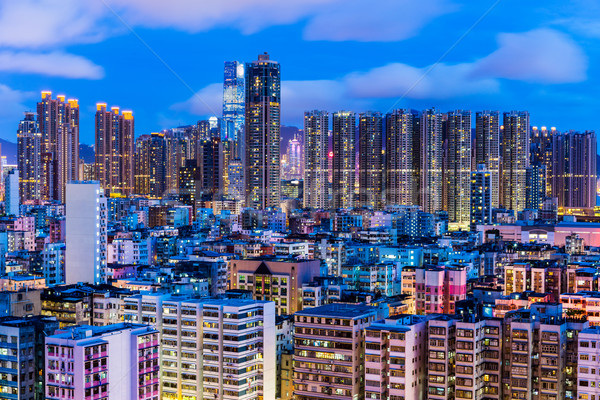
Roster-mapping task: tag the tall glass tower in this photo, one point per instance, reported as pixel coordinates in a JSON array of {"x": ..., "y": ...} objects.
[{"x": 232, "y": 127}]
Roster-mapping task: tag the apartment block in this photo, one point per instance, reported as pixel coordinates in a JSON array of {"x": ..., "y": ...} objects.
[
  {"x": 588, "y": 374},
  {"x": 274, "y": 279},
  {"x": 329, "y": 348},
  {"x": 223, "y": 349},
  {"x": 22, "y": 356},
  {"x": 118, "y": 361},
  {"x": 441, "y": 358},
  {"x": 534, "y": 353},
  {"x": 396, "y": 358},
  {"x": 437, "y": 289}
]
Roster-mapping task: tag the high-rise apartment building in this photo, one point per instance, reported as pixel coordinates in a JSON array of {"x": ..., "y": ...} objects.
[
  {"x": 370, "y": 177},
  {"x": 86, "y": 220},
  {"x": 316, "y": 170},
  {"x": 396, "y": 358},
  {"x": 515, "y": 159},
  {"x": 329, "y": 347},
  {"x": 11, "y": 192},
  {"x": 481, "y": 197},
  {"x": 542, "y": 141},
  {"x": 150, "y": 165},
  {"x": 233, "y": 107},
  {"x": 535, "y": 340},
  {"x": 487, "y": 148},
  {"x": 402, "y": 158},
  {"x": 22, "y": 356},
  {"x": 114, "y": 149},
  {"x": 588, "y": 354},
  {"x": 224, "y": 349},
  {"x": 118, "y": 361},
  {"x": 574, "y": 169},
  {"x": 263, "y": 113},
  {"x": 179, "y": 148},
  {"x": 29, "y": 144},
  {"x": 431, "y": 160},
  {"x": 457, "y": 171},
  {"x": 58, "y": 122},
  {"x": 344, "y": 159}
]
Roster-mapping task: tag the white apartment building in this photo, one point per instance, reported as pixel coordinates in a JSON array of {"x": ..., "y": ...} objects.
[
  {"x": 86, "y": 219},
  {"x": 217, "y": 349},
  {"x": 396, "y": 358}
]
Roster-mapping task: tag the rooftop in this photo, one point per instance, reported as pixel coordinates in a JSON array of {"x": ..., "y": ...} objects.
[
  {"x": 94, "y": 332},
  {"x": 340, "y": 311}
]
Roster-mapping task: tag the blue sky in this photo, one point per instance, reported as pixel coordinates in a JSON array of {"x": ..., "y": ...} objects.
[{"x": 334, "y": 54}]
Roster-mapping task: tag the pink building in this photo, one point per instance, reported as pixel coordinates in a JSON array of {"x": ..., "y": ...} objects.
[
  {"x": 26, "y": 224},
  {"x": 555, "y": 235},
  {"x": 437, "y": 289},
  {"x": 117, "y": 361}
]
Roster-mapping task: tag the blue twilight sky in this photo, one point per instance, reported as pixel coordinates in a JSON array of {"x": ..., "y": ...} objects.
[{"x": 334, "y": 54}]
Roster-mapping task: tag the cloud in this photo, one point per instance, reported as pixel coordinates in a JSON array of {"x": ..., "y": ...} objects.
[
  {"x": 248, "y": 16},
  {"x": 337, "y": 20},
  {"x": 12, "y": 102},
  {"x": 207, "y": 101},
  {"x": 55, "y": 63},
  {"x": 539, "y": 56},
  {"x": 50, "y": 23},
  {"x": 33, "y": 24},
  {"x": 396, "y": 79},
  {"x": 382, "y": 20}
]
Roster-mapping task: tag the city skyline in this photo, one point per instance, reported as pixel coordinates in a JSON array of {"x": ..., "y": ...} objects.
[{"x": 560, "y": 39}]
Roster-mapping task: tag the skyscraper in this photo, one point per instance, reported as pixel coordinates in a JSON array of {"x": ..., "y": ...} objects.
[
  {"x": 233, "y": 106},
  {"x": 29, "y": 142},
  {"x": 487, "y": 148},
  {"x": 515, "y": 159},
  {"x": 541, "y": 152},
  {"x": 344, "y": 159},
  {"x": 370, "y": 173},
  {"x": 458, "y": 168},
  {"x": 574, "y": 163},
  {"x": 402, "y": 157},
  {"x": 431, "y": 158},
  {"x": 150, "y": 165},
  {"x": 263, "y": 98},
  {"x": 59, "y": 127},
  {"x": 86, "y": 219},
  {"x": 316, "y": 170},
  {"x": 114, "y": 149},
  {"x": 179, "y": 149},
  {"x": 481, "y": 197}
]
